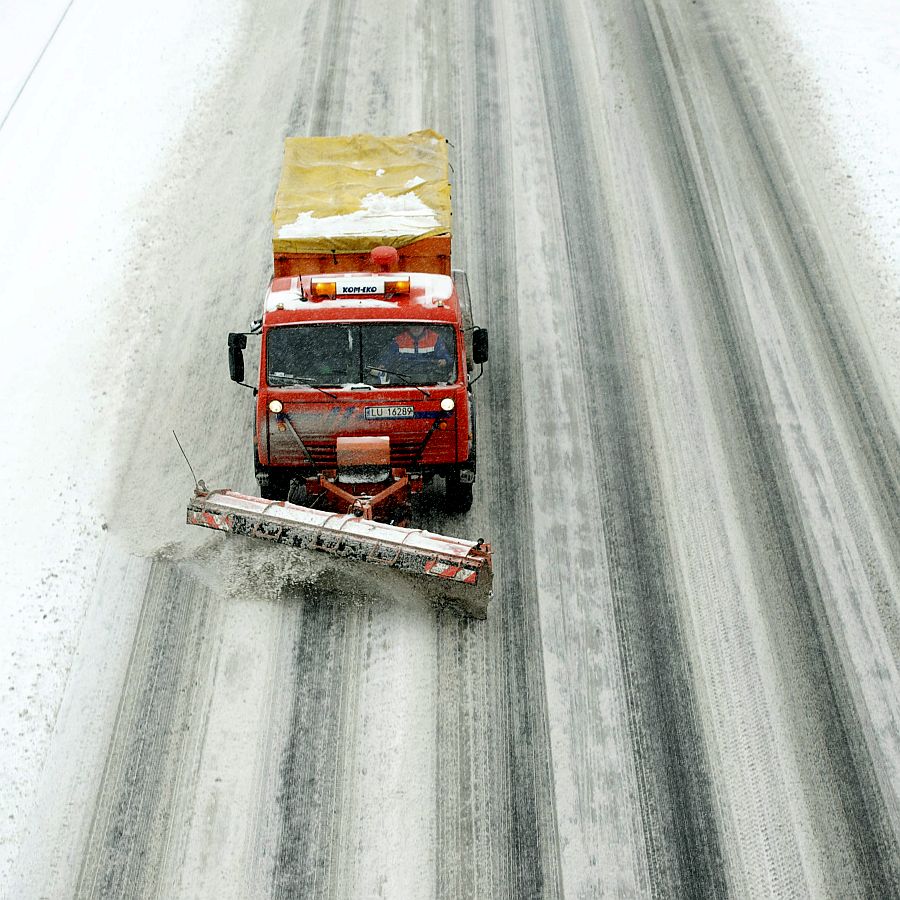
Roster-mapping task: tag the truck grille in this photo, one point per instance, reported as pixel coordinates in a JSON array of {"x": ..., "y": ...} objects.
[{"x": 324, "y": 451}]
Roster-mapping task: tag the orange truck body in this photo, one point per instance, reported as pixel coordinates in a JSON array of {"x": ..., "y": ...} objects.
[{"x": 352, "y": 413}]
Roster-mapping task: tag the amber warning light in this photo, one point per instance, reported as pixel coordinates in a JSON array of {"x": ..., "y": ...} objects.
[
  {"x": 321, "y": 289},
  {"x": 396, "y": 286}
]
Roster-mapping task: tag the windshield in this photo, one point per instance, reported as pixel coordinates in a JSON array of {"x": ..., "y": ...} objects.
[{"x": 330, "y": 355}]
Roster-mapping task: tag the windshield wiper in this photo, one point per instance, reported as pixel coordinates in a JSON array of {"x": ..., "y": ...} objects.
[
  {"x": 308, "y": 380},
  {"x": 421, "y": 390}
]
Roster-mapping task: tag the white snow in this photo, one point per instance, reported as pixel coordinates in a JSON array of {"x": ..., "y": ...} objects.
[
  {"x": 89, "y": 132},
  {"x": 93, "y": 98},
  {"x": 836, "y": 65},
  {"x": 26, "y": 30},
  {"x": 378, "y": 214},
  {"x": 852, "y": 47}
]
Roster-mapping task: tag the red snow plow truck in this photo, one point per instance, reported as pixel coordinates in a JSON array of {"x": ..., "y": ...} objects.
[{"x": 366, "y": 364}]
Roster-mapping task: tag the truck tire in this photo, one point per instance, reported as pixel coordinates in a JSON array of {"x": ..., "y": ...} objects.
[
  {"x": 271, "y": 487},
  {"x": 458, "y": 496}
]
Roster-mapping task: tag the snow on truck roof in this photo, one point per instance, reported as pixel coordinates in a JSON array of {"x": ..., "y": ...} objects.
[
  {"x": 356, "y": 192},
  {"x": 358, "y": 295}
]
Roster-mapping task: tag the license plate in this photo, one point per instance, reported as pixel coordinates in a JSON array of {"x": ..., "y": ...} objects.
[{"x": 390, "y": 412}]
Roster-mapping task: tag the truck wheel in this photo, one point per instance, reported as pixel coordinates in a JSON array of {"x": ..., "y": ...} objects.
[
  {"x": 269, "y": 490},
  {"x": 458, "y": 498},
  {"x": 271, "y": 487}
]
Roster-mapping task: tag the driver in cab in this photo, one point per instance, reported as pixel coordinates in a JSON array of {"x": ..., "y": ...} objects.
[{"x": 415, "y": 345}]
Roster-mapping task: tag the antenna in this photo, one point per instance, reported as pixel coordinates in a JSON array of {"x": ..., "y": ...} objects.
[{"x": 198, "y": 485}]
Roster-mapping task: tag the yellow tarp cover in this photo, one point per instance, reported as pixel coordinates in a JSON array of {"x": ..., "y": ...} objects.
[{"x": 353, "y": 193}]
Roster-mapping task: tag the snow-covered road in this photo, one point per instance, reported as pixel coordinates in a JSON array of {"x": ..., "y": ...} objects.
[{"x": 689, "y": 681}]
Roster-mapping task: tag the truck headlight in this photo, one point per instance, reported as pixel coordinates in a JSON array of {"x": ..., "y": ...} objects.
[
  {"x": 276, "y": 406},
  {"x": 447, "y": 404}
]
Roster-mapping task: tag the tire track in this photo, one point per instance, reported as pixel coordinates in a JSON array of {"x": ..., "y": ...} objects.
[
  {"x": 126, "y": 846},
  {"x": 331, "y": 71},
  {"x": 319, "y": 733},
  {"x": 677, "y": 801},
  {"x": 598, "y": 810},
  {"x": 870, "y": 419},
  {"x": 873, "y": 847},
  {"x": 523, "y": 776}
]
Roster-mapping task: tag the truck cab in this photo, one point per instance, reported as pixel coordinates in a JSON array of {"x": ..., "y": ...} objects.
[
  {"x": 367, "y": 342},
  {"x": 365, "y": 384}
]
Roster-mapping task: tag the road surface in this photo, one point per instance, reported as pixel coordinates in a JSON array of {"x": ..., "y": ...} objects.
[{"x": 688, "y": 682}]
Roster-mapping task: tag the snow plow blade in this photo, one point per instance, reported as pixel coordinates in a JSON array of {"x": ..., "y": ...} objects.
[{"x": 454, "y": 571}]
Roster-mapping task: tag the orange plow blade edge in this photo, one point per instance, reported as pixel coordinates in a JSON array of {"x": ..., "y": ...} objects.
[{"x": 454, "y": 571}]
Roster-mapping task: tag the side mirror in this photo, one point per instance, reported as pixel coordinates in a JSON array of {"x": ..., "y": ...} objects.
[
  {"x": 480, "y": 345},
  {"x": 236, "y": 345}
]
